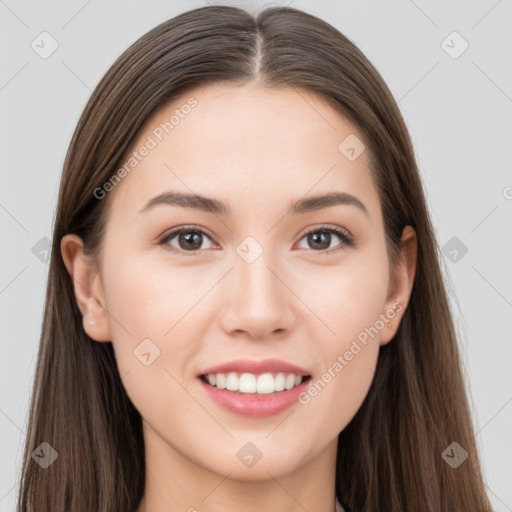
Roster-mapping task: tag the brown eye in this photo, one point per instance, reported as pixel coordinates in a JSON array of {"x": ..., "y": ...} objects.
[
  {"x": 190, "y": 240},
  {"x": 187, "y": 240},
  {"x": 321, "y": 238}
]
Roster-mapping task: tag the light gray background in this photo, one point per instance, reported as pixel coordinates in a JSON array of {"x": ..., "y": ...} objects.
[{"x": 458, "y": 111}]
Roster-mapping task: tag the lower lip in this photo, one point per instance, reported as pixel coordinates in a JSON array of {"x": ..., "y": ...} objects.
[{"x": 252, "y": 405}]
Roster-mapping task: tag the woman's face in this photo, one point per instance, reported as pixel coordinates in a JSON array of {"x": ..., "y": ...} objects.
[{"x": 255, "y": 279}]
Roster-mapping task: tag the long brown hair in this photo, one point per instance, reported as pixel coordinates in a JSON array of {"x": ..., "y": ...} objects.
[{"x": 390, "y": 455}]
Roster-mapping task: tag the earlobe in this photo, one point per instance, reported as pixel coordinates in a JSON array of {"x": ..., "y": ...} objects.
[
  {"x": 86, "y": 284},
  {"x": 405, "y": 272}
]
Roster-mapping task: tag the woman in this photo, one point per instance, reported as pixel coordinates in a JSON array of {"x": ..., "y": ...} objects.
[{"x": 245, "y": 307}]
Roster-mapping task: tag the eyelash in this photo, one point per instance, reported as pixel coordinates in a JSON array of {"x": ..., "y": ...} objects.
[{"x": 347, "y": 240}]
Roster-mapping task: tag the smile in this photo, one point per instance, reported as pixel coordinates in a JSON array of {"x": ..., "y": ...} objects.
[
  {"x": 250, "y": 383},
  {"x": 254, "y": 396}
]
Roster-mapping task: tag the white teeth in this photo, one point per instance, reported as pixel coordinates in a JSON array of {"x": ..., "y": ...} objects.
[
  {"x": 289, "y": 383},
  {"x": 247, "y": 383},
  {"x": 220, "y": 380},
  {"x": 279, "y": 382},
  {"x": 232, "y": 382},
  {"x": 264, "y": 383}
]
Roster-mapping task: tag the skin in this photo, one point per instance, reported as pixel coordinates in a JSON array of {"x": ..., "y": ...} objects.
[{"x": 257, "y": 149}]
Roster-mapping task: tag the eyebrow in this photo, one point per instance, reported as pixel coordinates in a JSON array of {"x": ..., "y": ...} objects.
[{"x": 209, "y": 205}]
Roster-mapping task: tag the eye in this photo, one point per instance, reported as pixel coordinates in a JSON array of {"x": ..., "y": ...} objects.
[
  {"x": 189, "y": 239},
  {"x": 320, "y": 238}
]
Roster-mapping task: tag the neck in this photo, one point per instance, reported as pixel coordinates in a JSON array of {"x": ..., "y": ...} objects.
[{"x": 172, "y": 478}]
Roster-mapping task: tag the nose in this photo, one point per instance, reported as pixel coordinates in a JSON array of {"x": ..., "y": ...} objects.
[{"x": 258, "y": 299}]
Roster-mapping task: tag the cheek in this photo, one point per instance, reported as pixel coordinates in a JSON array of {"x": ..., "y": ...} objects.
[
  {"x": 150, "y": 300},
  {"x": 347, "y": 298},
  {"x": 144, "y": 311},
  {"x": 349, "y": 303},
  {"x": 149, "y": 316},
  {"x": 348, "y": 362}
]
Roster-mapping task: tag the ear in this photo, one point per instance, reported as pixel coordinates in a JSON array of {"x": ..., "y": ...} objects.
[
  {"x": 401, "y": 287},
  {"x": 87, "y": 287}
]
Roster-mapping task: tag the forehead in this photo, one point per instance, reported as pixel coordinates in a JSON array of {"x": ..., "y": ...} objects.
[{"x": 249, "y": 144}]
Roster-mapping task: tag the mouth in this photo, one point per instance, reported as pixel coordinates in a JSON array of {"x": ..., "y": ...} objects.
[
  {"x": 262, "y": 384},
  {"x": 256, "y": 389}
]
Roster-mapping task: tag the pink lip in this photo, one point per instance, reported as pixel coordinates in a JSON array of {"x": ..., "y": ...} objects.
[
  {"x": 257, "y": 367},
  {"x": 254, "y": 405}
]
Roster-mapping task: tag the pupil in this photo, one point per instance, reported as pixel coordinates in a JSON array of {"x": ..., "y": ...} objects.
[
  {"x": 315, "y": 238},
  {"x": 189, "y": 237}
]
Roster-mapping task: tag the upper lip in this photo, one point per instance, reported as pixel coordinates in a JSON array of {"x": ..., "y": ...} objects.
[{"x": 256, "y": 367}]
